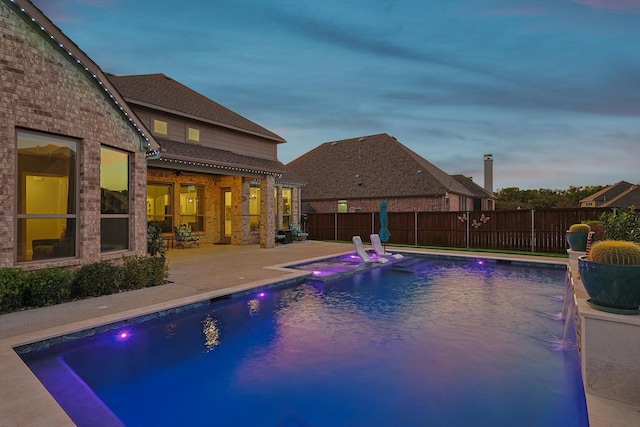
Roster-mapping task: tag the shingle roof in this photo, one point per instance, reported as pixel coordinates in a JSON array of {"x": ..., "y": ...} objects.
[
  {"x": 620, "y": 194},
  {"x": 608, "y": 193},
  {"x": 207, "y": 157},
  {"x": 166, "y": 94},
  {"x": 370, "y": 166},
  {"x": 473, "y": 187}
]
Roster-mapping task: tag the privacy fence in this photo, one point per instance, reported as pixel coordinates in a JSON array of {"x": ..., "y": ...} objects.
[{"x": 512, "y": 230}]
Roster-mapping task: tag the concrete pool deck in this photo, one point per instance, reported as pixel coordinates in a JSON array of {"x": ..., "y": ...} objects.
[{"x": 196, "y": 274}]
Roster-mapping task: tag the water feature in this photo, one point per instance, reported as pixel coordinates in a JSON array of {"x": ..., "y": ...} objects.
[{"x": 456, "y": 343}]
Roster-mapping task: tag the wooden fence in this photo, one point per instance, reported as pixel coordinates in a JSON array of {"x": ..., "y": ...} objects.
[{"x": 509, "y": 230}]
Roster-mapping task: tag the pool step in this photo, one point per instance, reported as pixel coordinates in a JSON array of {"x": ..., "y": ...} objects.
[{"x": 408, "y": 265}]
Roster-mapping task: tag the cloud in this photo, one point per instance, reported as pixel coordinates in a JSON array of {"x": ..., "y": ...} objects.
[{"x": 621, "y": 5}]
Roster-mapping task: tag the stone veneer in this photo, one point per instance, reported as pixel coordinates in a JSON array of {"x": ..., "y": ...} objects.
[
  {"x": 43, "y": 90},
  {"x": 609, "y": 347}
]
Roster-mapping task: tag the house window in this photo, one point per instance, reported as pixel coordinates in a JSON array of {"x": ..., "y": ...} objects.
[
  {"x": 342, "y": 206},
  {"x": 114, "y": 200},
  {"x": 254, "y": 208},
  {"x": 192, "y": 206},
  {"x": 193, "y": 134},
  {"x": 159, "y": 210},
  {"x": 160, "y": 127},
  {"x": 286, "y": 207},
  {"x": 46, "y": 196}
]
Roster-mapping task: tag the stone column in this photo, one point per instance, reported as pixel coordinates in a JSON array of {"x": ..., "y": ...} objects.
[{"x": 267, "y": 212}]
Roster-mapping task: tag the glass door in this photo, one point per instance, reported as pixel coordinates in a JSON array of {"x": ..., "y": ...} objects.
[{"x": 227, "y": 216}]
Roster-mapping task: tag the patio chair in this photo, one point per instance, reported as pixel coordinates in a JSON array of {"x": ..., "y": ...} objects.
[
  {"x": 184, "y": 236},
  {"x": 379, "y": 249},
  {"x": 298, "y": 234},
  {"x": 357, "y": 241}
]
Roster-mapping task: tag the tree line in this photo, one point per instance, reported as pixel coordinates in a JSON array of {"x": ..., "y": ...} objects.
[{"x": 543, "y": 198}]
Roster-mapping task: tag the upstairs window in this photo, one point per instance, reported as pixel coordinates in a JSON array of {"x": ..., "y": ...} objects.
[
  {"x": 160, "y": 127},
  {"x": 193, "y": 134}
]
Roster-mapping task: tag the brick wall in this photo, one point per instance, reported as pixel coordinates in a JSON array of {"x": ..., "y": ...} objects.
[{"x": 42, "y": 90}]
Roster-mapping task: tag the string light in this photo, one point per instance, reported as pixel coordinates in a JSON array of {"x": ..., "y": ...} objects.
[{"x": 95, "y": 77}]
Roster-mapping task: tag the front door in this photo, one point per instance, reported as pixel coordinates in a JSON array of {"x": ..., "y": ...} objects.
[{"x": 226, "y": 215}]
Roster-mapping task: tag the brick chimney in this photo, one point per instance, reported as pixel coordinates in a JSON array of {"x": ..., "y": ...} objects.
[{"x": 488, "y": 172}]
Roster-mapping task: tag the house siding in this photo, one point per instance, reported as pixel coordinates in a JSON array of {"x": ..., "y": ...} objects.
[
  {"x": 210, "y": 135},
  {"x": 43, "y": 91}
]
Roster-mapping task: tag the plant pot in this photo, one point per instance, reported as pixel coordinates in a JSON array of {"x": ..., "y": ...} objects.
[
  {"x": 577, "y": 241},
  {"x": 611, "y": 287}
]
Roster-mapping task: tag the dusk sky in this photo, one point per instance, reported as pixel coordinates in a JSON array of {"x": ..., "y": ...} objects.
[{"x": 551, "y": 88}]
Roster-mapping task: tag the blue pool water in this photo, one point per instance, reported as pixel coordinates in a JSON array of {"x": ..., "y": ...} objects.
[{"x": 456, "y": 344}]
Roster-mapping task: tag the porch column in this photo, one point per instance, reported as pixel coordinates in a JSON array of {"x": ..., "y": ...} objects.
[
  {"x": 295, "y": 205},
  {"x": 278, "y": 208},
  {"x": 267, "y": 212}
]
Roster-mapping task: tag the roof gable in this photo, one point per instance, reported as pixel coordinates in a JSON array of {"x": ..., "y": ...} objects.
[
  {"x": 370, "y": 166},
  {"x": 163, "y": 93},
  {"x": 51, "y": 33}
]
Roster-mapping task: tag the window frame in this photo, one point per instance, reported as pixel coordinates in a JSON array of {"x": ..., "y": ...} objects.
[
  {"x": 153, "y": 218},
  {"x": 21, "y": 197},
  {"x": 105, "y": 216}
]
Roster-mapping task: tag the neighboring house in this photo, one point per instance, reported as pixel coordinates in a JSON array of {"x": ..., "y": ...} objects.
[
  {"x": 619, "y": 195},
  {"x": 217, "y": 172},
  {"x": 73, "y": 158},
  {"x": 355, "y": 175}
]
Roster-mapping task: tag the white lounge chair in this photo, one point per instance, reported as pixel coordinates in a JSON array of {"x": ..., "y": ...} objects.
[
  {"x": 379, "y": 249},
  {"x": 357, "y": 241}
]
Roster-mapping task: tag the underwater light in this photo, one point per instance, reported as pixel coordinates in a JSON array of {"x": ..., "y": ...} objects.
[{"x": 123, "y": 335}]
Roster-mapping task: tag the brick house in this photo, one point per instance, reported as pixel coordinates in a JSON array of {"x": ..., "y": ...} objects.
[
  {"x": 355, "y": 175},
  {"x": 218, "y": 171},
  {"x": 618, "y": 195},
  {"x": 73, "y": 158}
]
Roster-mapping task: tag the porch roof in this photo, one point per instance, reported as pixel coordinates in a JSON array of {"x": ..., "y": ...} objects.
[{"x": 185, "y": 156}]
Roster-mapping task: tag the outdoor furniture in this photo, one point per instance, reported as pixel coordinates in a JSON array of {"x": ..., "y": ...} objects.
[
  {"x": 298, "y": 234},
  {"x": 184, "y": 236},
  {"x": 281, "y": 236},
  {"x": 379, "y": 249}
]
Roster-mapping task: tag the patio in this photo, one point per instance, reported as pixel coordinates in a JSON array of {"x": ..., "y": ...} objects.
[{"x": 195, "y": 273}]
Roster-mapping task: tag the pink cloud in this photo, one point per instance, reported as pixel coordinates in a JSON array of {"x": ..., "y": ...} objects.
[{"x": 612, "y": 4}]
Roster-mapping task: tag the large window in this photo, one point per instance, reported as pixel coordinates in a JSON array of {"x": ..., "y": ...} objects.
[
  {"x": 159, "y": 210},
  {"x": 254, "y": 208},
  {"x": 114, "y": 201},
  {"x": 46, "y": 221},
  {"x": 192, "y": 206},
  {"x": 286, "y": 207}
]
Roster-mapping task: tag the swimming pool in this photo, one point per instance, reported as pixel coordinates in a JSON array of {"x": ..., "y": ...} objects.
[{"x": 457, "y": 343}]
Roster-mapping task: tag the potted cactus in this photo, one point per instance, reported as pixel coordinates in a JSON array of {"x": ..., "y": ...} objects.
[
  {"x": 611, "y": 276},
  {"x": 577, "y": 237}
]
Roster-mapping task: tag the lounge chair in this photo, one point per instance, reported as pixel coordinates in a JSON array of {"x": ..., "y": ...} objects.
[
  {"x": 298, "y": 234},
  {"x": 357, "y": 241},
  {"x": 184, "y": 236},
  {"x": 379, "y": 249}
]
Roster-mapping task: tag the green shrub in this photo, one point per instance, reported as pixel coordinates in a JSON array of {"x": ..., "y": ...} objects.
[
  {"x": 143, "y": 272},
  {"x": 12, "y": 288},
  {"x": 615, "y": 252},
  {"x": 48, "y": 286},
  {"x": 99, "y": 278},
  {"x": 622, "y": 225},
  {"x": 155, "y": 241},
  {"x": 579, "y": 228}
]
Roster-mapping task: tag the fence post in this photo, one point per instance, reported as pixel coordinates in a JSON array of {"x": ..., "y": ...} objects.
[
  {"x": 468, "y": 237},
  {"x": 335, "y": 226},
  {"x": 373, "y": 223},
  {"x": 415, "y": 227},
  {"x": 533, "y": 230}
]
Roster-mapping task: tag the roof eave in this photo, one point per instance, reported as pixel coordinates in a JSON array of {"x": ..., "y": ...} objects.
[{"x": 75, "y": 55}]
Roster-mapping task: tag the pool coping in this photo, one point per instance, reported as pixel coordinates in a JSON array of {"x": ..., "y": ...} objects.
[{"x": 25, "y": 401}]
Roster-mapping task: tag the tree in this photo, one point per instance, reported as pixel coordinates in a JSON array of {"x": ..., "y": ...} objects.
[{"x": 543, "y": 198}]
